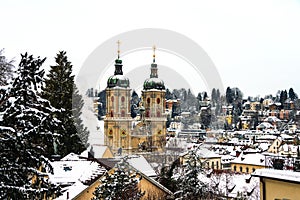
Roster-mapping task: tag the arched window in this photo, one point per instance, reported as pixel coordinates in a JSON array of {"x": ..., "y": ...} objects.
[
  {"x": 217, "y": 164},
  {"x": 212, "y": 164},
  {"x": 241, "y": 169},
  {"x": 112, "y": 98},
  {"x": 148, "y": 100},
  {"x": 122, "y": 99},
  {"x": 234, "y": 168},
  {"x": 247, "y": 169},
  {"x": 253, "y": 170},
  {"x": 111, "y": 113}
]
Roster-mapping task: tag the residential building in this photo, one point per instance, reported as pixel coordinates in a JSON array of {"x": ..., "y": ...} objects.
[
  {"x": 278, "y": 184},
  {"x": 248, "y": 163}
]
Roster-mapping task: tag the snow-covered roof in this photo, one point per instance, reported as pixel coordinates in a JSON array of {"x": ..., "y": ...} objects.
[
  {"x": 265, "y": 125},
  {"x": 75, "y": 173},
  {"x": 206, "y": 153},
  {"x": 72, "y": 156},
  {"x": 250, "y": 159},
  {"x": 72, "y": 191},
  {"x": 272, "y": 119},
  {"x": 267, "y": 137},
  {"x": 67, "y": 172},
  {"x": 227, "y": 158},
  {"x": 98, "y": 150},
  {"x": 286, "y": 137},
  {"x": 141, "y": 164},
  {"x": 264, "y": 146},
  {"x": 285, "y": 175}
]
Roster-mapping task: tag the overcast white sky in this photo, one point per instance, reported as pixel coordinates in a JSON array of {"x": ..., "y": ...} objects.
[{"x": 255, "y": 44}]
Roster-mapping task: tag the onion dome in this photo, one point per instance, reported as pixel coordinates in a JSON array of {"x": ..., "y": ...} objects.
[
  {"x": 154, "y": 82},
  {"x": 118, "y": 79}
]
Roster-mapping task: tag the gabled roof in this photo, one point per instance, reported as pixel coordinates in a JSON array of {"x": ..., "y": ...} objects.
[
  {"x": 67, "y": 172},
  {"x": 141, "y": 164},
  {"x": 250, "y": 159},
  {"x": 265, "y": 125},
  {"x": 136, "y": 161},
  {"x": 74, "y": 173}
]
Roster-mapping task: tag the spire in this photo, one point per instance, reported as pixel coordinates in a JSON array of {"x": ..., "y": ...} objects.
[
  {"x": 118, "y": 42},
  {"x": 153, "y": 65},
  {"x": 118, "y": 62},
  {"x": 154, "y": 48}
]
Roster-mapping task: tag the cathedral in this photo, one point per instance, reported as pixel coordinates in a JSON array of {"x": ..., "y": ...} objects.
[{"x": 147, "y": 131}]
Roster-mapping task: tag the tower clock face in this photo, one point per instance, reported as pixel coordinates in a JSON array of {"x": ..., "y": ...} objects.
[
  {"x": 110, "y": 133},
  {"x": 123, "y": 133}
]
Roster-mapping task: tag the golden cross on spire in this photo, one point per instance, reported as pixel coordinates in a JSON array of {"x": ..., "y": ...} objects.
[
  {"x": 154, "y": 48},
  {"x": 118, "y": 42}
]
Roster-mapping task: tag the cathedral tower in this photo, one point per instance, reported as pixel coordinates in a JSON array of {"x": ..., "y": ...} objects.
[
  {"x": 153, "y": 95},
  {"x": 118, "y": 121}
]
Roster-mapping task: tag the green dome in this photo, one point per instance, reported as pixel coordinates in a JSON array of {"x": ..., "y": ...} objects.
[
  {"x": 118, "y": 81},
  {"x": 154, "y": 83}
]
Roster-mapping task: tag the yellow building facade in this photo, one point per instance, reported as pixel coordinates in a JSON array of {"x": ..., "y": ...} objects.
[
  {"x": 248, "y": 163},
  {"x": 278, "y": 184}
]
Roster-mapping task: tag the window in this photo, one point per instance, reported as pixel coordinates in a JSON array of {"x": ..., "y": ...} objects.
[
  {"x": 122, "y": 99},
  {"x": 212, "y": 164},
  {"x": 234, "y": 168},
  {"x": 247, "y": 169},
  {"x": 112, "y": 98},
  {"x": 148, "y": 100},
  {"x": 253, "y": 170},
  {"x": 111, "y": 113},
  {"x": 158, "y": 100},
  {"x": 217, "y": 164},
  {"x": 241, "y": 169}
]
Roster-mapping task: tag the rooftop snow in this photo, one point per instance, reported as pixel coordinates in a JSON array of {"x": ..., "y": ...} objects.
[
  {"x": 141, "y": 164},
  {"x": 278, "y": 174},
  {"x": 251, "y": 159}
]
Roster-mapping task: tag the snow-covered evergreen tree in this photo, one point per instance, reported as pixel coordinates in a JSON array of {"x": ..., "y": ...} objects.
[
  {"x": 189, "y": 185},
  {"x": 6, "y": 69},
  {"x": 61, "y": 91},
  {"x": 26, "y": 136},
  {"x": 121, "y": 184}
]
